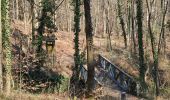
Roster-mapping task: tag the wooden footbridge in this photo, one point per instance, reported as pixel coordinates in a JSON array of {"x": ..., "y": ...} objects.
[{"x": 119, "y": 77}]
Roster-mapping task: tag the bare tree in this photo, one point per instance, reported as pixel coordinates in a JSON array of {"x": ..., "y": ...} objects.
[
  {"x": 155, "y": 52},
  {"x": 89, "y": 42},
  {"x": 122, "y": 23},
  {"x": 133, "y": 25},
  {"x": 155, "y": 57}
]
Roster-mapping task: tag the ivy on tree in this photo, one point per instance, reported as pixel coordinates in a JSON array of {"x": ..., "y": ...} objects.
[
  {"x": 45, "y": 20},
  {"x": 76, "y": 4}
]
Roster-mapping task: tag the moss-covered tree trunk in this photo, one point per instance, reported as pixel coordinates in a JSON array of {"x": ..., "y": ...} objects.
[
  {"x": 89, "y": 42},
  {"x": 1, "y": 79},
  {"x": 40, "y": 30},
  {"x": 140, "y": 41},
  {"x": 45, "y": 21},
  {"x": 6, "y": 44},
  {"x": 76, "y": 38}
]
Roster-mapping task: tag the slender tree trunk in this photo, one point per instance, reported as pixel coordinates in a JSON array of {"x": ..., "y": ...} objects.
[
  {"x": 68, "y": 14},
  {"x": 24, "y": 13},
  {"x": 76, "y": 38},
  {"x": 162, "y": 33},
  {"x": 129, "y": 20},
  {"x": 1, "y": 79},
  {"x": 96, "y": 19},
  {"x": 83, "y": 24},
  {"x": 41, "y": 29},
  {"x": 13, "y": 9},
  {"x": 32, "y": 21},
  {"x": 108, "y": 27},
  {"x": 154, "y": 52},
  {"x": 104, "y": 19},
  {"x": 122, "y": 23},
  {"x": 89, "y": 42},
  {"x": 140, "y": 41},
  {"x": 104, "y": 22},
  {"x": 70, "y": 21},
  {"x": 6, "y": 45},
  {"x": 116, "y": 21},
  {"x": 133, "y": 30},
  {"x": 17, "y": 10}
]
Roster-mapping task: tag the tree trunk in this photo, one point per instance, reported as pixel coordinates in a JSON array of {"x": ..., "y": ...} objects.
[
  {"x": 129, "y": 20},
  {"x": 6, "y": 45},
  {"x": 122, "y": 23},
  {"x": 104, "y": 19},
  {"x": 1, "y": 79},
  {"x": 17, "y": 9},
  {"x": 133, "y": 30},
  {"x": 89, "y": 42},
  {"x": 109, "y": 26},
  {"x": 162, "y": 33},
  {"x": 24, "y": 14},
  {"x": 68, "y": 13},
  {"x": 140, "y": 41},
  {"x": 76, "y": 38},
  {"x": 40, "y": 30},
  {"x": 13, "y": 9},
  {"x": 32, "y": 21},
  {"x": 155, "y": 53},
  {"x": 155, "y": 56},
  {"x": 70, "y": 19}
]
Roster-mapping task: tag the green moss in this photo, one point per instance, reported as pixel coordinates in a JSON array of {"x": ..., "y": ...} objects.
[{"x": 63, "y": 87}]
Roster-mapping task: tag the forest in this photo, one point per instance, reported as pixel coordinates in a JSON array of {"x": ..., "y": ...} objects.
[{"x": 85, "y": 50}]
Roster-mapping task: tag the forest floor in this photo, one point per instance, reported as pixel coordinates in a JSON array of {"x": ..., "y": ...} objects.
[
  {"x": 64, "y": 51},
  {"x": 15, "y": 95},
  {"x": 118, "y": 55}
]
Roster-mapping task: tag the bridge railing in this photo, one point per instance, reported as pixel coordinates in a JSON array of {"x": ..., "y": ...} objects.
[
  {"x": 83, "y": 73},
  {"x": 122, "y": 79}
]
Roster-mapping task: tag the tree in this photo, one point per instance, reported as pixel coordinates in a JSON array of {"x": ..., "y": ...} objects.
[
  {"x": 104, "y": 17},
  {"x": 109, "y": 26},
  {"x": 155, "y": 51},
  {"x": 89, "y": 42},
  {"x": 122, "y": 23},
  {"x": 45, "y": 20},
  {"x": 1, "y": 79},
  {"x": 17, "y": 9},
  {"x": 6, "y": 44},
  {"x": 76, "y": 34},
  {"x": 133, "y": 25},
  {"x": 140, "y": 41},
  {"x": 32, "y": 3}
]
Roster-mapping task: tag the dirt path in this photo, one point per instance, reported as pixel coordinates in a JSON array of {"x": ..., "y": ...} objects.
[{"x": 114, "y": 94}]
